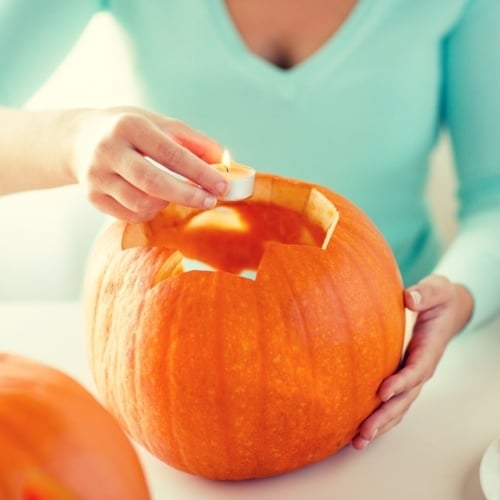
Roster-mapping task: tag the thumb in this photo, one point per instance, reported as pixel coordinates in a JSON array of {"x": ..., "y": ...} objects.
[{"x": 429, "y": 292}]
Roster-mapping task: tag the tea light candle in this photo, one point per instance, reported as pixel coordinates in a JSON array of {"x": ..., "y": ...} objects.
[{"x": 241, "y": 178}]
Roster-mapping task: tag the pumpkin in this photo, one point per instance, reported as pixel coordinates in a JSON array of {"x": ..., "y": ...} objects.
[
  {"x": 57, "y": 442},
  {"x": 265, "y": 361}
]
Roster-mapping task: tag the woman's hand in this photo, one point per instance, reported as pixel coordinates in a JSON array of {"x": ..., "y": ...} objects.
[
  {"x": 443, "y": 309},
  {"x": 106, "y": 153}
]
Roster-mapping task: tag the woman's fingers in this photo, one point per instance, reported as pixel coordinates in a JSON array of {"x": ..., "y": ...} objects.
[
  {"x": 399, "y": 391},
  {"x": 108, "y": 205},
  {"x": 432, "y": 291},
  {"x": 442, "y": 309},
  {"x": 158, "y": 183},
  {"x": 435, "y": 293},
  {"x": 114, "y": 192},
  {"x": 149, "y": 140},
  {"x": 384, "y": 418},
  {"x": 421, "y": 358},
  {"x": 143, "y": 190},
  {"x": 199, "y": 144}
]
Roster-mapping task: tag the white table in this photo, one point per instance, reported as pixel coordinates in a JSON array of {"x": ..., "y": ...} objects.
[{"x": 433, "y": 454}]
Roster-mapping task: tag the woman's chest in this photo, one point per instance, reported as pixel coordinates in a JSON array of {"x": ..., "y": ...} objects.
[{"x": 287, "y": 32}]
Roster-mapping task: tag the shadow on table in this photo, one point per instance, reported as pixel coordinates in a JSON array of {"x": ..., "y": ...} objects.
[{"x": 471, "y": 486}]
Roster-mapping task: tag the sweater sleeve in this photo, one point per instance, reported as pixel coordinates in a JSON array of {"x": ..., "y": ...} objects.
[
  {"x": 35, "y": 36},
  {"x": 471, "y": 112}
]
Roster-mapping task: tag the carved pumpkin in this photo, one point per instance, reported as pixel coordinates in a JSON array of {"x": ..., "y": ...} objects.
[
  {"x": 57, "y": 442},
  {"x": 230, "y": 377}
]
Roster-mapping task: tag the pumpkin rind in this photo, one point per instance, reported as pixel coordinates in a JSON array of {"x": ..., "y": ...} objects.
[
  {"x": 57, "y": 442},
  {"x": 232, "y": 378}
]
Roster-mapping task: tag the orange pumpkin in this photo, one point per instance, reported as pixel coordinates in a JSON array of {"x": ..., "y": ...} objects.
[
  {"x": 57, "y": 442},
  {"x": 230, "y": 377}
]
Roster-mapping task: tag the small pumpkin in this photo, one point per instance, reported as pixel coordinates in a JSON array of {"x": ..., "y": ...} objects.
[
  {"x": 230, "y": 376},
  {"x": 57, "y": 442}
]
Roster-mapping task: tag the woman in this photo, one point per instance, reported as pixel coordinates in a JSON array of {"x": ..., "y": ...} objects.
[{"x": 350, "y": 94}]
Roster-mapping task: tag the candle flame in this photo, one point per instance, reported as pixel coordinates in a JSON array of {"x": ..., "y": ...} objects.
[{"x": 226, "y": 159}]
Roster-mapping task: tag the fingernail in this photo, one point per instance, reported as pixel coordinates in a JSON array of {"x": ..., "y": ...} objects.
[
  {"x": 364, "y": 443},
  {"x": 416, "y": 297},
  {"x": 374, "y": 435},
  {"x": 209, "y": 201},
  {"x": 388, "y": 397},
  {"x": 221, "y": 187}
]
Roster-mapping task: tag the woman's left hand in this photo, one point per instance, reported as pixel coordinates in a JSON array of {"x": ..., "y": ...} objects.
[{"x": 443, "y": 309}]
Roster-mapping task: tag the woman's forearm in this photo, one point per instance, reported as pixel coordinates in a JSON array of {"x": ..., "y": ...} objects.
[{"x": 34, "y": 149}]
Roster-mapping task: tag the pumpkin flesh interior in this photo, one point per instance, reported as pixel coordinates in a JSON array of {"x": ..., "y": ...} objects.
[{"x": 233, "y": 237}]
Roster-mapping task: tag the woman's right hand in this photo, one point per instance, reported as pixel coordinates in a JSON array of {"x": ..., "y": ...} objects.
[{"x": 106, "y": 153}]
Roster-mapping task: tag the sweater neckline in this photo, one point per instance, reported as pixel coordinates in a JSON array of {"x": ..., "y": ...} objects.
[{"x": 332, "y": 52}]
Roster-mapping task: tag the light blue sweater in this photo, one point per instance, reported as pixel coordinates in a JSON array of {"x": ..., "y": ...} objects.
[{"x": 360, "y": 116}]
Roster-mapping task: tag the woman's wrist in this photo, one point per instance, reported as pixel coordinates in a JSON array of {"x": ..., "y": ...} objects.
[
  {"x": 67, "y": 139},
  {"x": 35, "y": 149}
]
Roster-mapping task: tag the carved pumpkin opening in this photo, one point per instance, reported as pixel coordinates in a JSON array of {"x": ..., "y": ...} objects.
[{"x": 233, "y": 237}]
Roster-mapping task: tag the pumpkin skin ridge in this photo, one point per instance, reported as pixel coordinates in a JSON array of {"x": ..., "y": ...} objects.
[
  {"x": 108, "y": 315},
  {"x": 188, "y": 280},
  {"x": 226, "y": 406},
  {"x": 153, "y": 254},
  {"x": 218, "y": 416},
  {"x": 138, "y": 429},
  {"x": 333, "y": 239},
  {"x": 354, "y": 392},
  {"x": 308, "y": 337},
  {"x": 164, "y": 357},
  {"x": 168, "y": 283},
  {"x": 341, "y": 441},
  {"x": 369, "y": 253},
  {"x": 391, "y": 276},
  {"x": 96, "y": 261},
  {"x": 364, "y": 414},
  {"x": 211, "y": 279},
  {"x": 158, "y": 284}
]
